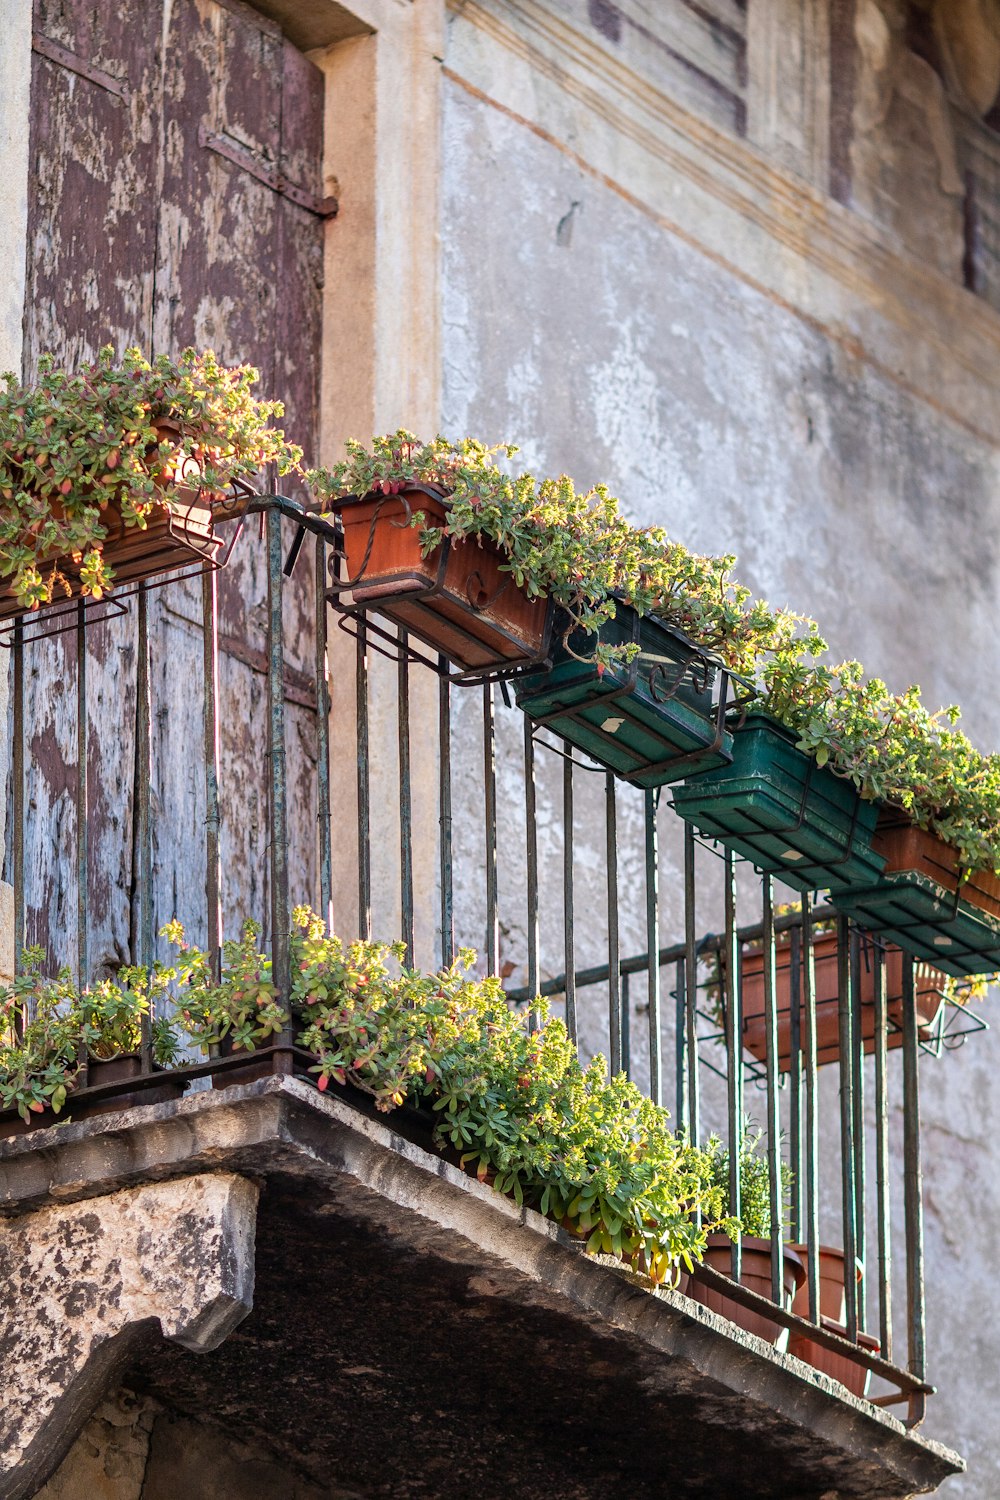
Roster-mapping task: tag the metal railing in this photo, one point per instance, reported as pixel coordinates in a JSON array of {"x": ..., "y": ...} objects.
[{"x": 563, "y": 877}]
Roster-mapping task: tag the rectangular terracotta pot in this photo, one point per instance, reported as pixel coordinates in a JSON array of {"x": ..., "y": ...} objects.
[
  {"x": 929, "y": 982},
  {"x": 458, "y": 600}
]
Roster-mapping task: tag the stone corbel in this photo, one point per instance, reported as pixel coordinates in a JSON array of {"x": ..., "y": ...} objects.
[{"x": 82, "y": 1285}]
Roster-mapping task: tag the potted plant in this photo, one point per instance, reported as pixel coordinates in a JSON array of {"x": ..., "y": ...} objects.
[
  {"x": 39, "y": 1047},
  {"x": 237, "y": 1015},
  {"x": 937, "y": 799},
  {"x": 833, "y": 1317},
  {"x": 933, "y": 988},
  {"x": 755, "y": 1243},
  {"x": 646, "y": 635},
  {"x": 108, "y": 1020},
  {"x": 119, "y": 471}
]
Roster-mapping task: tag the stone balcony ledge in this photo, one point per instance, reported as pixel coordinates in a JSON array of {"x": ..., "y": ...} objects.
[{"x": 476, "y": 1349}]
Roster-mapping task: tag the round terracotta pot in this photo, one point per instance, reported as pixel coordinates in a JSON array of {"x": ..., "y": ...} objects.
[
  {"x": 756, "y": 1276},
  {"x": 833, "y": 1313}
]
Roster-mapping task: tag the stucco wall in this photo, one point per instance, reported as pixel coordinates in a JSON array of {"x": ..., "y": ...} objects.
[{"x": 581, "y": 325}]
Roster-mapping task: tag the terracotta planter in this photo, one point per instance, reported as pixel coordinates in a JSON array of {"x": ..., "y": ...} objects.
[
  {"x": 921, "y": 902},
  {"x": 178, "y": 537},
  {"x": 756, "y": 1276},
  {"x": 929, "y": 1000},
  {"x": 833, "y": 1311},
  {"x": 458, "y": 600},
  {"x": 121, "y": 1069},
  {"x": 253, "y": 1069}
]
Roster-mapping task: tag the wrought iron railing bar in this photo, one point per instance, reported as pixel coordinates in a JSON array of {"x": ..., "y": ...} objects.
[
  {"x": 569, "y": 924},
  {"x": 405, "y": 796},
  {"x": 810, "y": 1229},
  {"x": 847, "y": 1158},
  {"x": 653, "y": 988},
  {"x": 913, "y": 1185},
  {"x": 796, "y": 1072},
  {"x": 691, "y": 986},
  {"x": 617, "y": 1057},
  {"x": 733, "y": 1006},
  {"x": 490, "y": 789},
  {"x": 142, "y": 792},
  {"x": 681, "y": 1093},
  {"x": 278, "y": 785},
  {"x": 883, "y": 1213},
  {"x": 444, "y": 814},
  {"x": 364, "y": 784},
  {"x": 531, "y": 872},
  {"x": 82, "y": 841},
  {"x": 18, "y": 800},
  {"x": 860, "y": 1186},
  {"x": 322, "y": 667},
  {"x": 775, "y": 1192},
  {"x": 210, "y": 726}
]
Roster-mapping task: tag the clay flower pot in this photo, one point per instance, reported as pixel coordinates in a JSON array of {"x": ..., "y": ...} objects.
[
  {"x": 924, "y": 905},
  {"x": 929, "y": 1000},
  {"x": 756, "y": 1276},
  {"x": 458, "y": 600},
  {"x": 122, "y": 1068},
  {"x": 833, "y": 1312}
]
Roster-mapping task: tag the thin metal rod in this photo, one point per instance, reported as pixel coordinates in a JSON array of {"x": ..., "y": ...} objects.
[
  {"x": 143, "y": 798},
  {"x": 810, "y": 1229},
  {"x": 617, "y": 1058},
  {"x": 444, "y": 814},
  {"x": 531, "y": 855},
  {"x": 210, "y": 726},
  {"x": 364, "y": 785},
  {"x": 82, "y": 843},
  {"x": 858, "y": 1062},
  {"x": 733, "y": 1005},
  {"x": 691, "y": 987},
  {"x": 280, "y": 913},
  {"x": 681, "y": 1093},
  {"x": 17, "y": 808},
  {"x": 773, "y": 1116},
  {"x": 883, "y": 1213},
  {"x": 490, "y": 785},
  {"x": 569, "y": 934},
  {"x": 912, "y": 1179},
  {"x": 849, "y": 1197},
  {"x": 796, "y": 1078},
  {"x": 405, "y": 798},
  {"x": 653, "y": 948},
  {"x": 323, "y": 742}
]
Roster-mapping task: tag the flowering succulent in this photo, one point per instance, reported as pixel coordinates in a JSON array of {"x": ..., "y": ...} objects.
[
  {"x": 118, "y": 433},
  {"x": 242, "y": 1008},
  {"x": 576, "y": 548}
]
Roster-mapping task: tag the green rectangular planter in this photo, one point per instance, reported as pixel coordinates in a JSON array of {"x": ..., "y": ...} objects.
[
  {"x": 651, "y": 721},
  {"x": 922, "y": 917},
  {"x": 784, "y": 813}
]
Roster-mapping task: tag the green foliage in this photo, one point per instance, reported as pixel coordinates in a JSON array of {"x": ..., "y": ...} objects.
[
  {"x": 242, "y": 1009},
  {"x": 893, "y": 749},
  {"x": 755, "y": 1182},
  {"x": 74, "y": 444},
  {"x": 575, "y": 548}
]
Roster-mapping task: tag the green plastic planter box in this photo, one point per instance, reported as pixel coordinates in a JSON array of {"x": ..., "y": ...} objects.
[
  {"x": 787, "y": 815},
  {"x": 921, "y": 903},
  {"x": 651, "y": 721}
]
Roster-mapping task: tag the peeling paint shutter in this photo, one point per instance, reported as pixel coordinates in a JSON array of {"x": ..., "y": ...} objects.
[{"x": 142, "y": 230}]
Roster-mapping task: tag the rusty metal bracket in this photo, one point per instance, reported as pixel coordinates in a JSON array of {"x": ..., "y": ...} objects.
[
  {"x": 62, "y": 56},
  {"x": 272, "y": 177}
]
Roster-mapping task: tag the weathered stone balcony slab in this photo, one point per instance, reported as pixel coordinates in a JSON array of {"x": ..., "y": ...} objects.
[{"x": 415, "y": 1333}]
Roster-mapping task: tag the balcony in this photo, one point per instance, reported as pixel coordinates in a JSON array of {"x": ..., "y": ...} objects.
[{"x": 401, "y": 803}]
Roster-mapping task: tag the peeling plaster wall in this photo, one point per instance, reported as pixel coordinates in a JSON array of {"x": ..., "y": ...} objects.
[{"x": 579, "y": 326}]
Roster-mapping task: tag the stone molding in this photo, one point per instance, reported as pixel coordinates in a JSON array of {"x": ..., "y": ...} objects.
[
  {"x": 771, "y": 228},
  {"x": 84, "y": 1282}
]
